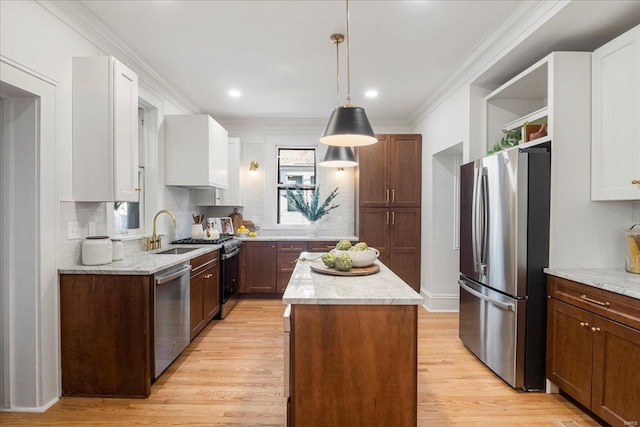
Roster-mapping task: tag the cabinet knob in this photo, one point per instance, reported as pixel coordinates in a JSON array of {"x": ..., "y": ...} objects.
[
  {"x": 594, "y": 329},
  {"x": 208, "y": 276},
  {"x": 583, "y": 324},
  {"x": 387, "y": 196},
  {"x": 635, "y": 181},
  {"x": 393, "y": 196}
]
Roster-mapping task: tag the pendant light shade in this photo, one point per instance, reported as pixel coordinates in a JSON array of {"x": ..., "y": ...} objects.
[
  {"x": 339, "y": 157},
  {"x": 348, "y": 127}
]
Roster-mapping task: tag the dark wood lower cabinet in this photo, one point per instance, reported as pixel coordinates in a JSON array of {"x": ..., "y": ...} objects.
[
  {"x": 593, "y": 349},
  {"x": 569, "y": 352},
  {"x": 395, "y": 232},
  {"x": 266, "y": 266},
  {"x": 106, "y": 337},
  {"x": 353, "y": 365},
  {"x": 204, "y": 291},
  {"x": 258, "y": 267}
]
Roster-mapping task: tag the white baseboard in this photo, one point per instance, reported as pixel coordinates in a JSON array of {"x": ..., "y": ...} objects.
[
  {"x": 32, "y": 409},
  {"x": 440, "y": 302}
]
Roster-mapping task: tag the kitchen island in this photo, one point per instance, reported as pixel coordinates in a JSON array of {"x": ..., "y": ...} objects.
[{"x": 351, "y": 356}]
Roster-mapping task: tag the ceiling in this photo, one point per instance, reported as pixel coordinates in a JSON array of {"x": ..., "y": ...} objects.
[{"x": 279, "y": 53}]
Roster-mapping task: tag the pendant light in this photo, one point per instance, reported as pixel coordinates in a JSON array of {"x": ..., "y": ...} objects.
[
  {"x": 348, "y": 125},
  {"x": 338, "y": 156}
]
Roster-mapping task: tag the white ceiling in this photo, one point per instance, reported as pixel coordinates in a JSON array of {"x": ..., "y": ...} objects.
[{"x": 278, "y": 53}]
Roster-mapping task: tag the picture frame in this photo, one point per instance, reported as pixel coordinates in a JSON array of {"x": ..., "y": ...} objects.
[{"x": 226, "y": 225}]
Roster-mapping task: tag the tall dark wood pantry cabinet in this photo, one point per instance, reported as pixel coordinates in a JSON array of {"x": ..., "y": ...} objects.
[{"x": 390, "y": 178}]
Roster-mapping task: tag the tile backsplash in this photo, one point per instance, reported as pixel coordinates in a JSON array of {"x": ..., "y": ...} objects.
[{"x": 83, "y": 213}]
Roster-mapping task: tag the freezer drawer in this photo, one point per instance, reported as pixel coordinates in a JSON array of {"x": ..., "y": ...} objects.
[{"x": 492, "y": 326}]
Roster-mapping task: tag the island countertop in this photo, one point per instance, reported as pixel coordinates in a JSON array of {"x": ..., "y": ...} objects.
[{"x": 382, "y": 288}]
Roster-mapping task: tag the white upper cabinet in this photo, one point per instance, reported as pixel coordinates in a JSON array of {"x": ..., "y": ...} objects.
[
  {"x": 195, "y": 154},
  {"x": 230, "y": 196},
  {"x": 105, "y": 130},
  {"x": 615, "y": 149}
]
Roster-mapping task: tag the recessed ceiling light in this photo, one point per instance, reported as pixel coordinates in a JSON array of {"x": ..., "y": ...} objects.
[
  {"x": 235, "y": 93},
  {"x": 371, "y": 94}
]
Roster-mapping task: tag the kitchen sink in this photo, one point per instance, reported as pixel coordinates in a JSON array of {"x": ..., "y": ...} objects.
[{"x": 175, "y": 251}]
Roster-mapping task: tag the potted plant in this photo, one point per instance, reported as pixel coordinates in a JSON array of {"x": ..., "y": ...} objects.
[{"x": 310, "y": 207}]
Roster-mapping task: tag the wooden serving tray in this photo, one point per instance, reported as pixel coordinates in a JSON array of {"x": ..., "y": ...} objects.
[{"x": 355, "y": 271}]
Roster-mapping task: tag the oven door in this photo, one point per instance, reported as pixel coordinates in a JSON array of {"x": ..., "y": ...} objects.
[{"x": 229, "y": 281}]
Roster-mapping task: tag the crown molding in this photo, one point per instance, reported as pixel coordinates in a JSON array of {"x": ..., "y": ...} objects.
[
  {"x": 524, "y": 18},
  {"x": 75, "y": 15},
  {"x": 302, "y": 124}
]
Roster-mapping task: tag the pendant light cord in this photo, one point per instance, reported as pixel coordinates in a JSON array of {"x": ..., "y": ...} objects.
[
  {"x": 348, "y": 61},
  {"x": 337, "y": 42}
]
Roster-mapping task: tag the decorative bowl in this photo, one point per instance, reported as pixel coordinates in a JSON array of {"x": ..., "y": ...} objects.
[{"x": 361, "y": 258}]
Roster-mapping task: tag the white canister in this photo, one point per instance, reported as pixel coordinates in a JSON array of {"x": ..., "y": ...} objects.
[
  {"x": 118, "y": 249},
  {"x": 196, "y": 231},
  {"x": 97, "y": 250}
]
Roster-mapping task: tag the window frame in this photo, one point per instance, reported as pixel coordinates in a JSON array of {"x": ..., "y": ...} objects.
[
  {"x": 285, "y": 186},
  {"x": 268, "y": 222}
]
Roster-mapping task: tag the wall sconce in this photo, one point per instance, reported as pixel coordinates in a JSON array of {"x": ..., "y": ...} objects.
[
  {"x": 340, "y": 172},
  {"x": 253, "y": 168}
]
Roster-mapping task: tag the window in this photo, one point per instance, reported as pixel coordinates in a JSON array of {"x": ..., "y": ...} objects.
[
  {"x": 296, "y": 167},
  {"x": 128, "y": 217}
]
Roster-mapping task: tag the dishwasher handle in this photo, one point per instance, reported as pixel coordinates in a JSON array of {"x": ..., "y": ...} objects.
[
  {"x": 500, "y": 304},
  {"x": 169, "y": 277}
]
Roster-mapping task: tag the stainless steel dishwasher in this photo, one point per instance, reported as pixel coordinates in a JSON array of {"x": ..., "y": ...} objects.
[{"x": 170, "y": 315}]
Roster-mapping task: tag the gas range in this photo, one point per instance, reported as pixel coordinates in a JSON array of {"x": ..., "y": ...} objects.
[{"x": 228, "y": 243}]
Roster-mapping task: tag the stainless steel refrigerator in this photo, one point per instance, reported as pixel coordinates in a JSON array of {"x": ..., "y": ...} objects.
[{"x": 504, "y": 246}]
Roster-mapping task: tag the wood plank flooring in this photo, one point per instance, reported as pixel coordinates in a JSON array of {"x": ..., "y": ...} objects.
[{"x": 231, "y": 375}]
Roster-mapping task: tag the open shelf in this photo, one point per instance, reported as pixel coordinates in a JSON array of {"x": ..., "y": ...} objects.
[
  {"x": 537, "y": 117},
  {"x": 522, "y": 100}
]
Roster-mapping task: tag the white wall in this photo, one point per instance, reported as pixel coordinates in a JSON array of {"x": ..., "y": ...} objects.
[
  {"x": 35, "y": 40},
  {"x": 445, "y": 131}
]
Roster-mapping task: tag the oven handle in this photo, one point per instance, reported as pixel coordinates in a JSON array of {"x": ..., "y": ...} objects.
[
  {"x": 231, "y": 254},
  {"x": 169, "y": 277}
]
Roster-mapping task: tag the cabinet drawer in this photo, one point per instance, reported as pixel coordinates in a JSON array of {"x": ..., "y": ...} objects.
[
  {"x": 292, "y": 246},
  {"x": 607, "y": 304},
  {"x": 287, "y": 262},
  {"x": 322, "y": 245},
  {"x": 203, "y": 261}
]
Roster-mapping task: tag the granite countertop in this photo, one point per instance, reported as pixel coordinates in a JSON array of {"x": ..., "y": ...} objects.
[
  {"x": 616, "y": 280},
  {"x": 141, "y": 263},
  {"x": 382, "y": 288},
  {"x": 276, "y": 238}
]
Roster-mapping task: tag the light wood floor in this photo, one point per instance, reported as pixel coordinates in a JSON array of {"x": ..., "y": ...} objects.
[{"x": 231, "y": 374}]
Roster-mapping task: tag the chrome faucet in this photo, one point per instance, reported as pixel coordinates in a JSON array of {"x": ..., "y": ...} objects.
[{"x": 154, "y": 242}]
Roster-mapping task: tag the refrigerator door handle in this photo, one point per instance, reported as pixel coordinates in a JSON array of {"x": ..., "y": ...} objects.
[
  {"x": 475, "y": 238},
  {"x": 485, "y": 222},
  {"x": 499, "y": 304}
]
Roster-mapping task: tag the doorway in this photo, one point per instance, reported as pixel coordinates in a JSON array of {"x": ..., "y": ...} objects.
[{"x": 29, "y": 332}]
